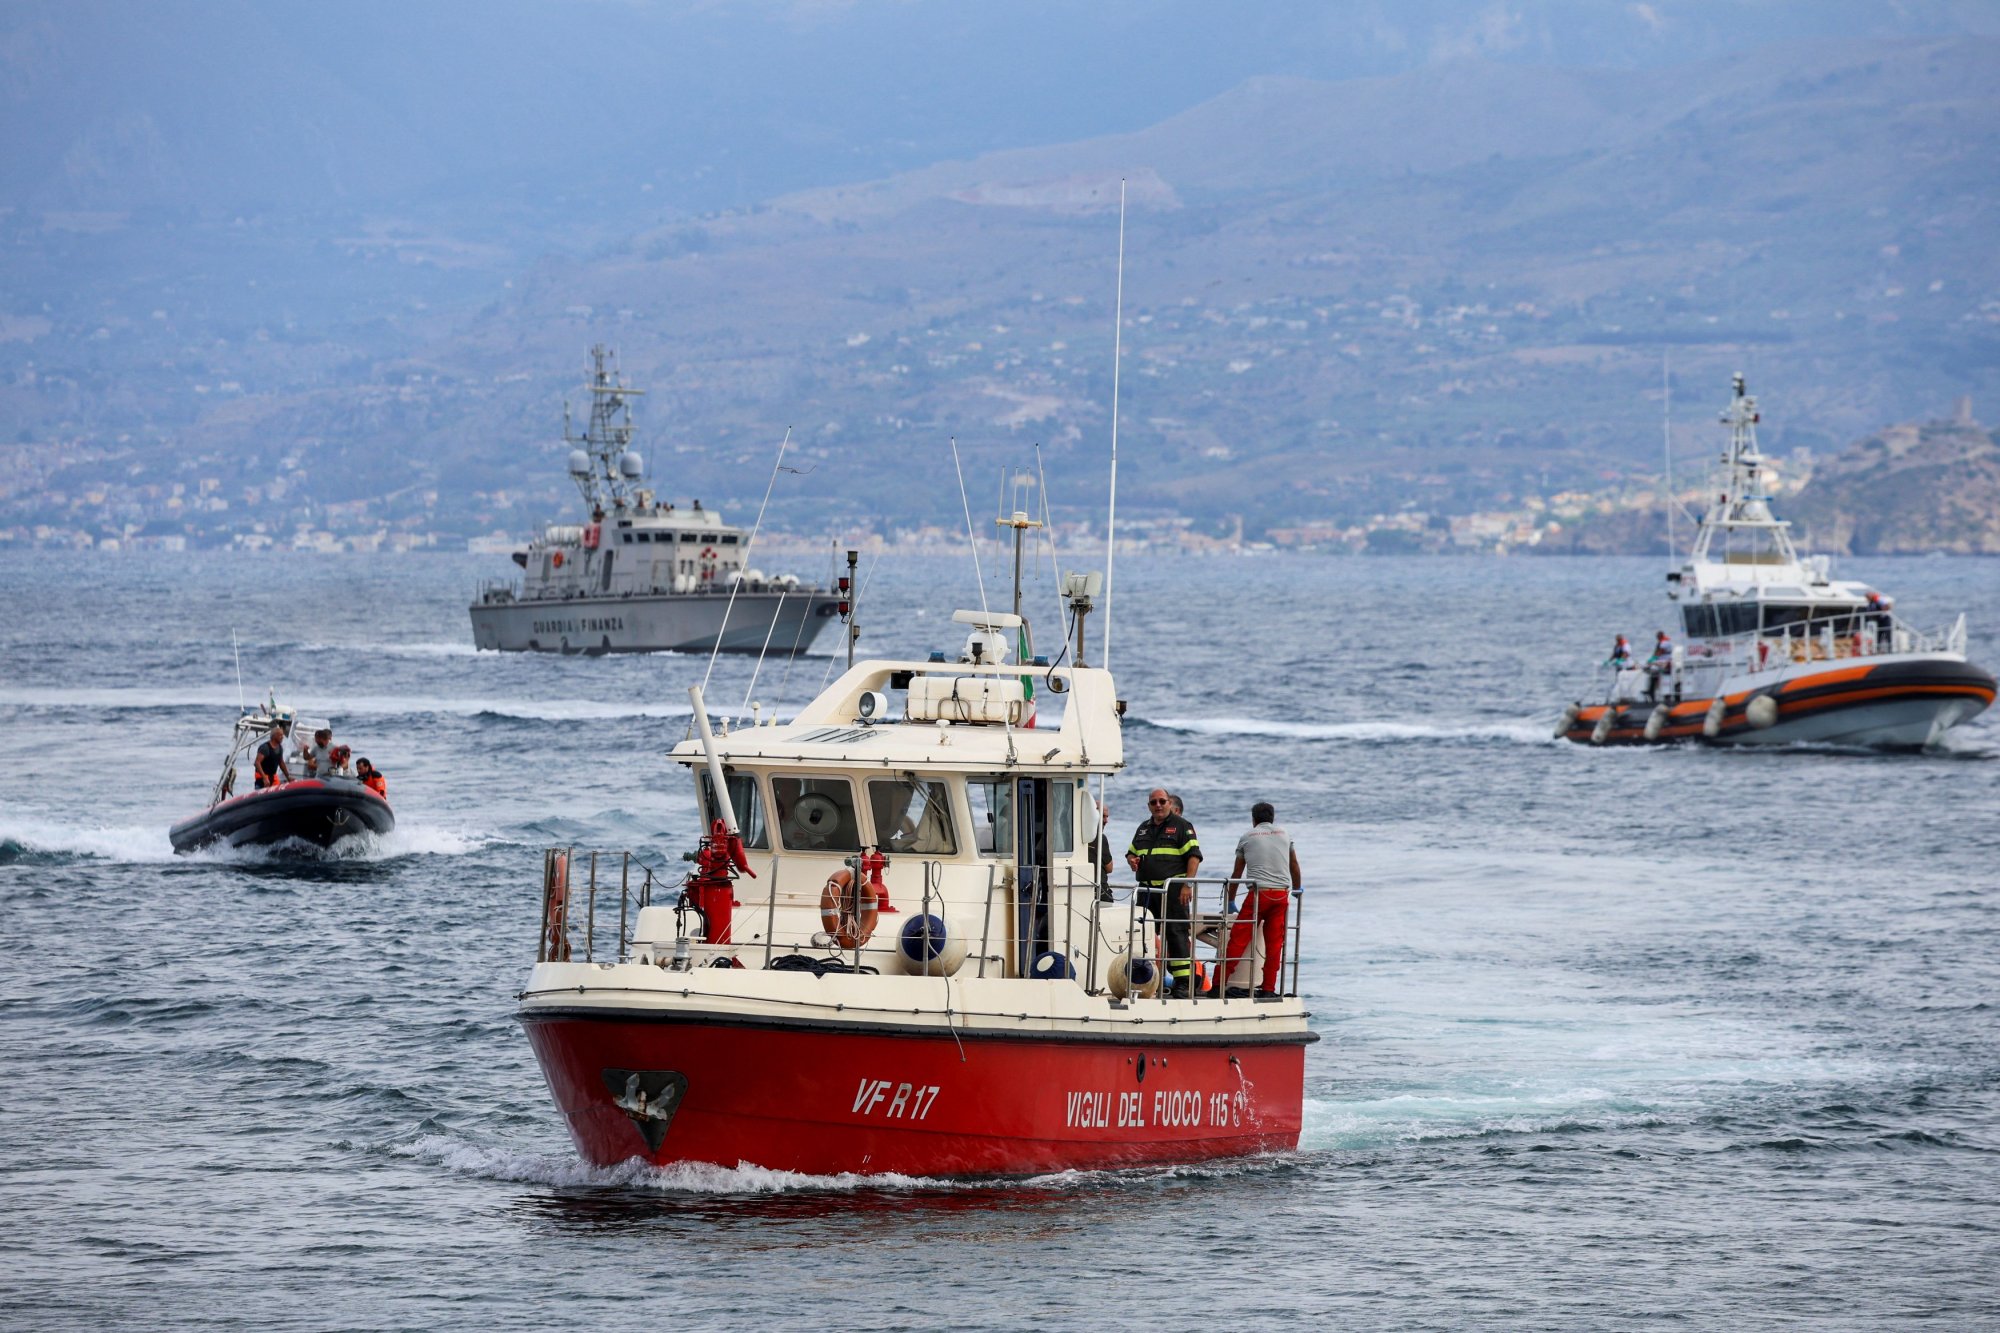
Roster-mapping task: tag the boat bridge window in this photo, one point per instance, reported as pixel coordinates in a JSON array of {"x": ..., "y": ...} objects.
[
  {"x": 1064, "y": 797},
  {"x": 690, "y": 536},
  {"x": 816, "y": 814},
  {"x": 1808, "y": 619},
  {"x": 749, "y": 803},
  {"x": 727, "y": 539},
  {"x": 992, "y": 815},
  {"x": 912, "y": 816}
]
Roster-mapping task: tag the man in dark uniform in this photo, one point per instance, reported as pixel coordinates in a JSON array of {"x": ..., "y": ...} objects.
[
  {"x": 1165, "y": 847},
  {"x": 271, "y": 758}
]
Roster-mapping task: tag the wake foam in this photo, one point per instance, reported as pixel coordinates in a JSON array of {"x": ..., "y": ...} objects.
[
  {"x": 35, "y": 840},
  {"x": 340, "y": 705},
  {"x": 1520, "y": 733},
  {"x": 514, "y": 1165},
  {"x": 29, "y": 839},
  {"x": 1333, "y": 1126}
]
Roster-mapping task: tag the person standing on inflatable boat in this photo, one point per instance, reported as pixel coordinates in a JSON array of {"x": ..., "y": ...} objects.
[
  {"x": 1266, "y": 858},
  {"x": 271, "y": 759},
  {"x": 1163, "y": 848}
]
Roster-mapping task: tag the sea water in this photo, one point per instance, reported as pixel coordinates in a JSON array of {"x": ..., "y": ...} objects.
[{"x": 1609, "y": 1037}]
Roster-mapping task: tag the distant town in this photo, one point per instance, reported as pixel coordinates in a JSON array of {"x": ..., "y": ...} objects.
[{"x": 202, "y": 514}]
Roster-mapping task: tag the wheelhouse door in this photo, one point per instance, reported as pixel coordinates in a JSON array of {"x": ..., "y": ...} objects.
[{"x": 1031, "y": 872}]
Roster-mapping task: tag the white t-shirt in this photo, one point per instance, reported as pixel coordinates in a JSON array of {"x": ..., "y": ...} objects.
[{"x": 1267, "y": 857}]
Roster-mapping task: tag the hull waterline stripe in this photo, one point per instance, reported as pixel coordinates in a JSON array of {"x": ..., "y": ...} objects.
[{"x": 1116, "y": 1032}]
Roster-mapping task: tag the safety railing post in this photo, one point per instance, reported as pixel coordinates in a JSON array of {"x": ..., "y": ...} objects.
[
  {"x": 590, "y": 912},
  {"x": 542, "y": 917},
  {"x": 986, "y": 932},
  {"x": 624, "y": 895},
  {"x": 771, "y": 911},
  {"x": 1298, "y": 935}
]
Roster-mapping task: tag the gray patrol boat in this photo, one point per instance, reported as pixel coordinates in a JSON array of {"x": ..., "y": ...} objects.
[{"x": 640, "y": 576}]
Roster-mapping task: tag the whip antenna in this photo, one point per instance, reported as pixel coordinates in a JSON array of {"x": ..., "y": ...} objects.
[
  {"x": 238, "y": 652},
  {"x": 1117, "y": 354},
  {"x": 1667, "y": 445},
  {"x": 742, "y": 569},
  {"x": 970, "y": 539}
]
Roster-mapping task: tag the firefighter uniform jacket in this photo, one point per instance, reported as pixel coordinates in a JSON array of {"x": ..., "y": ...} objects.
[{"x": 1163, "y": 849}]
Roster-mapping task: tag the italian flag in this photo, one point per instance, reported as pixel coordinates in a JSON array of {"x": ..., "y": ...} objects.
[{"x": 1027, "y": 682}]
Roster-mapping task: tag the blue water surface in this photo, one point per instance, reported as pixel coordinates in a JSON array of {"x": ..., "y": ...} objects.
[{"x": 1611, "y": 1037}]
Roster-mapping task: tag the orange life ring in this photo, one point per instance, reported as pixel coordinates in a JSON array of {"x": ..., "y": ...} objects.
[
  {"x": 841, "y": 915},
  {"x": 558, "y": 560}
]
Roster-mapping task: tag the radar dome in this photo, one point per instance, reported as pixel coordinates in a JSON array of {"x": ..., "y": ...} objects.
[
  {"x": 579, "y": 463},
  {"x": 630, "y": 465}
]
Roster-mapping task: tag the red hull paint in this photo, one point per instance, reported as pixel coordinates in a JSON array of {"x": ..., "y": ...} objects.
[{"x": 827, "y": 1102}]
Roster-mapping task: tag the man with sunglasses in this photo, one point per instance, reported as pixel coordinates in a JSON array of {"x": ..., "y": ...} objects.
[{"x": 1165, "y": 848}]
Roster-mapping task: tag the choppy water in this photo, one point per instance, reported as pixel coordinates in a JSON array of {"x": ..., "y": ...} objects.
[{"x": 1611, "y": 1037}]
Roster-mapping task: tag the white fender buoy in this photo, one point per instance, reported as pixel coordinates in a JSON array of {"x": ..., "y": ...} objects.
[
  {"x": 1656, "y": 721},
  {"x": 1761, "y": 711},
  {"x": 1602, "y": 730},
  {"x": 1568, "y": 720},
  {"x": 1711, "y": 725},
  {"x": 927, "y": 946},
  {"x": 1134, "y": 976}
]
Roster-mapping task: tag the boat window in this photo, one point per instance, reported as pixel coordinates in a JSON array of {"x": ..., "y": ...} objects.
[
  {"x": 1699, "y": 621},
  {"x": 625, "y": 537},
  {"x": 911, "y": 816},
  {"x": 727, "y": 539},
  {"x": 1062, "y": 817},
  {"x": 749, "y": 803},
  {"x": 690, "y": 536},
  {"x": 992, "y": 815},
  {"x": 816, "y": 814}
]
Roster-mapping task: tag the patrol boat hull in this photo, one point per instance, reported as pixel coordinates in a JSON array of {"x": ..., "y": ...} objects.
[
  {"x": 1887, "y": 704},
  {"x": 785, "y": 624},
  {"x": 831, "y": 1098},
  {"x": 309, "y": 811}
]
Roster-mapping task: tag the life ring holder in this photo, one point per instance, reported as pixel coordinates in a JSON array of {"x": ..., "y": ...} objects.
[
  {"x": 846, "y": 914},
  {"x": 709, "y": 558},
  {"x": 557, "y": 560}
]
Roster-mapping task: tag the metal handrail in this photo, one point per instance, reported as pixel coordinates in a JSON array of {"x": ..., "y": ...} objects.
[
  {"x": 555, "y": 942},
  {"x": 1294, "y": 928},
  {"x": 1854, "y": 633}
]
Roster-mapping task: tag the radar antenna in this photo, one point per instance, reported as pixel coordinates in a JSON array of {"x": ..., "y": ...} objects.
[{"x": 602, "y": 462}]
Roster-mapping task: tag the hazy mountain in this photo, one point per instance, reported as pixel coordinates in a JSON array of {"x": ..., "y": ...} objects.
[
  {"x": 1920, "y": 486},
  {"x": 1380, "y": 255}
]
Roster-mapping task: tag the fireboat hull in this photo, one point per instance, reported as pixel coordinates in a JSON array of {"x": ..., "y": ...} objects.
[
  {"x": 308, "y": 811},
  {"x": 863, "y": 1098},
  {"x": 1885, "y": 705},
  {"x": 783, "y": 624}
]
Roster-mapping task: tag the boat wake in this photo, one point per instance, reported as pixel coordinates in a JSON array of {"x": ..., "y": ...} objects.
[
  {"x": 1350, "y": 1126},
  {"x": 33, "y": 840},
  {"x": 490, "y": 1162},
  {"x": 1522, "y": 732},
  {"x": 339, "y": 705}
]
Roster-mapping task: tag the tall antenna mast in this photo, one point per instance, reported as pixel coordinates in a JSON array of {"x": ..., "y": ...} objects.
[
  {"x": 1667, "y": 445},
  {"x": 970, "y": 539},
  {"x": 1117, "y": 356},
  {"x": 238, "y": 652}
]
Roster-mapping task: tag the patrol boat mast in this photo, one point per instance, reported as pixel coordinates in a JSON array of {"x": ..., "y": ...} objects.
[{"x": 603, "y": 463}]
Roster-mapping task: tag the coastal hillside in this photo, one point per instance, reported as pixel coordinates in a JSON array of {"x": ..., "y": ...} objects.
[
  {"x": 1921, "y": 486},
  {"x": 1407, "y": 298}
]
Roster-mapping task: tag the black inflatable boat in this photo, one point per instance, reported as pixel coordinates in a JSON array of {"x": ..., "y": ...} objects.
[{"x": 310, "y": 811}]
